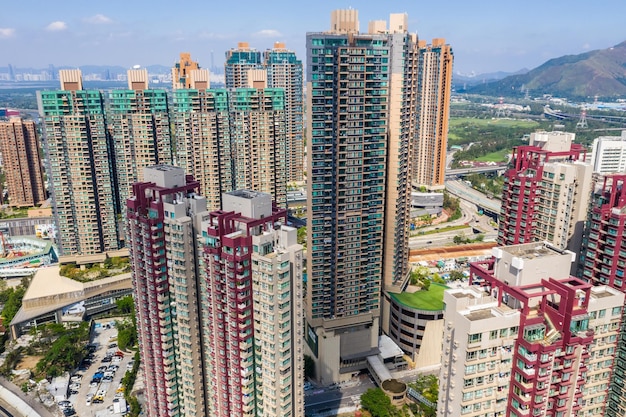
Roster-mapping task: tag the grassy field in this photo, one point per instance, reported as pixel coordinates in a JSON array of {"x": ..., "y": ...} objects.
[
  {"x": 423, "y": 300},
  {"x": 504, "y": 123},
  {"x": 498, "y": 156}
]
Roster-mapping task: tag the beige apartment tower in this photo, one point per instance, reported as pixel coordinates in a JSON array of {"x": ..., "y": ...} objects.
[
  {"x": 19, "y": 145},
  {"x": 184, "y": 73},
  {"x": 80, "y": 167},
  {"x": 139, "y": 125},
  {"x": 435, "y": 86}
]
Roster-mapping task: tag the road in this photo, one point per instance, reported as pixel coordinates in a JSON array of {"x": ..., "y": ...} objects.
[
  {"x": 326, "y": 399},
  {"x": 462, "y": 190},
  {"x": 469, "y": 217}
]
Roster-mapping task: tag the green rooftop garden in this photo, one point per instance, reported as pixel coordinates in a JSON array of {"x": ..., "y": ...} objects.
[
  {"x": 111, "y": 267},
  {"x": 431, "y": 299}
]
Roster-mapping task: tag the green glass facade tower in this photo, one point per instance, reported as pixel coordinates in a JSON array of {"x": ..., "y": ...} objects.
[{"x": 360, "y": 121}]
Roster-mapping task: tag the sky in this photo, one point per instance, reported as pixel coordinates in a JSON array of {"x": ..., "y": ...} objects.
[{"x": 485, "y": 35}]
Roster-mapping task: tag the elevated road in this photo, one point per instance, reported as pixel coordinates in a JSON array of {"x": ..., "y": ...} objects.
[
  {"x": 489, "y": 206},
  {"x": 475, "y": 170}
]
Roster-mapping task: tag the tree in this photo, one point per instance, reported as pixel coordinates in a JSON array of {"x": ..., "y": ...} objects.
[
  {"x": 309, "y": 367},
  {"x": 418, "y": 274},
  {"x": 377, "y": 403},
  {"x": 13, "y": 303},
  {"x": 425, "y": 284},
  {"x": 302, "y": 235},
  {"x": 126, "y": 334},
  {"x": 126, "y": 305},
  {"x": 456, "y": 275}
]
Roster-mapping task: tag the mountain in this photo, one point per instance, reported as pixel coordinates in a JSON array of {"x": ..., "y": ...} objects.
[
  {"x": 475, "y": 79},
  {"x": 601, "y": 72}
]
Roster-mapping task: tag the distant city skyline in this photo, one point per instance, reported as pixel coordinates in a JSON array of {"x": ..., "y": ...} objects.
[{"x": 486, "y": 36}]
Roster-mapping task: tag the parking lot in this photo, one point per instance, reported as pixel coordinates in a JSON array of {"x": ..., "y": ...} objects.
[{"x": 94, "y": 388}]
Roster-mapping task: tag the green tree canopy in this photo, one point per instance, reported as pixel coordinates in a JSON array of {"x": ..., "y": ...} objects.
[{"x": 377, "y": 403}]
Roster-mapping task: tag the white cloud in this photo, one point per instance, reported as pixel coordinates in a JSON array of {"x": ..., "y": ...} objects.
[
  {"x": 213, "y": 35},
  {"x": 56, "y": 26},
  {"x": 268, "y": 33},
  {"x": 6, "y": 32},
  {"x": 586, "y": 46},
  {"x": 99, "y": 19}
]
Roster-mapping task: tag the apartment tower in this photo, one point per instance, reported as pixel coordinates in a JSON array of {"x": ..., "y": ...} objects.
[
  {"x": 19, "y": 145},
  {"x": 603, "y": 262},
  {"x": 80, "y": 166},
  {"x": 433, "y": 113},
  {"x": 232, "y": 139},
  {"x": 528, "y": 339},
  {"x": 608, "y": 154},
  {"x": 139, "y": 125},
  {"x": 546, "y": 192},
  {"x": 283, "y": 70},
  {"x": 161, "y": 224},
  {"x": 361, "y": 104},
  {"x": 182, "y": 72},
  {"x": 252, "y": 308},
  {"x": 238, "y": 62},
  {"x": 201, "y": 120}
]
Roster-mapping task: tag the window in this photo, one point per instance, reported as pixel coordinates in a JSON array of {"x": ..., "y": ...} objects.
[
  {"x": 534, "y": 333},
  {"x": 475, "y": 338},
  {"x": 617, "y": 311},
  {"x": 493, "y": 335},
  {"x": 601, "y": 313}
]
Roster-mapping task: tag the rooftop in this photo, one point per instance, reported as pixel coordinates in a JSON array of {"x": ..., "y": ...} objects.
[
  {"x": 483, "y": 314},
  {"x": 432, "y": 299},
  {"x": 532, "y": 250}
]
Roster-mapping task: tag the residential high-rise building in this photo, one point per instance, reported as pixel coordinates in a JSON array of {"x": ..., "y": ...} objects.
[
  {"x": 528, "y": 339},
  {"x": 80, "y": 166},
  {"x": 202, "y": 128},
  {"x": 602, "y": 256},
  {"x": 162, "y": 214},
  {"x": 218, "y": 298},
  {"x": 252, "y": 305},
  {"x": 433, "y": 114},
  {"x": 182, "y": 72},
  {"x": 257, "y": 120},
  {"x": 361, "y": 107},
  {"x": 284, "y": 70},
  {"x": 239, "y": 61},
  {"x": 139, "y": 125},
  {"x": 19, "y": 145},
  {"x": 233, "y": 139},
  {"x": 546, "y": 192},
  {"x": 603, "y": 262},
  {"x": 608, "y": 154}
]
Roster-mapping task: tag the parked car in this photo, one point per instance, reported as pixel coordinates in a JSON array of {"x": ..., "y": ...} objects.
[
  {"x": 64, "y": 404},
  {"x": 98, "y": 399}
]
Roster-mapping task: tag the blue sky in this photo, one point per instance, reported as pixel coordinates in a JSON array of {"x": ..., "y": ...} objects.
[{"x": 486, "y": 35}]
